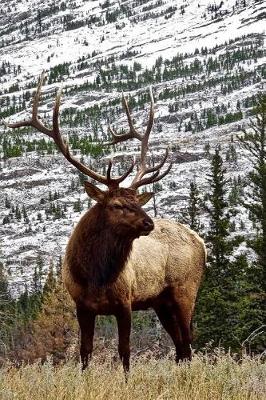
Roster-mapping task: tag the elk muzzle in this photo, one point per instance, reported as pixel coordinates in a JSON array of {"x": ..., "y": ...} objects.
[{"x": 147, "y": 226}]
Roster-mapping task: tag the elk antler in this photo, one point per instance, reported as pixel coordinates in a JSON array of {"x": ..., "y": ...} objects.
[
  {"x": 61, "y": 143},
  {"x": 144, "y": 139}
]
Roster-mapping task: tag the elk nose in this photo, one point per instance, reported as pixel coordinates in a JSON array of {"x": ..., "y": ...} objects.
[{"x": 148, "y": 224}]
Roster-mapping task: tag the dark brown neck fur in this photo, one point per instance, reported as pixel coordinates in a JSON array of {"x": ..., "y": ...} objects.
[{"x": 96, "y": 255}]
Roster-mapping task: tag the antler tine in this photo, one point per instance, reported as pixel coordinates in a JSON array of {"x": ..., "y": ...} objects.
[
  {"x": 158, "y": 166},
  {"x": 125, "y": 175},
  {"x": 163, "y": 174},
  {"x": 151, "y": 117},
  {"x": 36, "y": 99},
  {"x": 143, "y": 170},
  {"x": 115, "y": 181},
  {"x": 108, "y": 174},
  {"x": 132, "y": 130},
  {"x": 33, "y": 121},
  {"x": 132, "y": 134},
  {"x": 145, "y": 139},
  {"x": 117, "y": 138},
  {"x": 144, "y": 181},
  {"x": 56, "y": 111},
  {"x": 151, "y": 179}
]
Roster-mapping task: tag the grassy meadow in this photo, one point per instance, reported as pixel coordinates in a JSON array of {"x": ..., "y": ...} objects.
[{"x": 210, "y": 377}]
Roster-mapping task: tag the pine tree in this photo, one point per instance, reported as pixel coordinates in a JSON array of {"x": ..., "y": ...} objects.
[
  {"x": 18, "y": 213},
  {"x": 250, "y": 314},
  {"x": 4, "y": 291},
  {"x": 25, "y": 215},
  {"x": 50, "y": 280},
  {"x": 39, "y": 20},
  {"x": 77, "y": 206},
  {"x": 254, "y": 141},
  {"x": 6, "y": 309},
  {"x": 58, "y": 268},
  {"x": 82, "y": 178},
  {"x": 216, "y": 306},
  {"x": 23, "y": 309},
  {"x": 7, "y": 202},
  {"x": 38, "y": 275},
  {"x": 219, "y": 219},
  {"x": 194, "y": 207}
]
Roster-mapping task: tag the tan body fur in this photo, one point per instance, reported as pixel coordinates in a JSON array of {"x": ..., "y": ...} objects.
[{"x": 172, "y": 256}]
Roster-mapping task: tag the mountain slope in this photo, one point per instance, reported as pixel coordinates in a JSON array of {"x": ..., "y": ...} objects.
[{"x": 205, "y": 61}]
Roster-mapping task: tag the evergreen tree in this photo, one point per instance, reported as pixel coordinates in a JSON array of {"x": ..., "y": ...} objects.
[
  {"x": 4, "y": 291},
  {"x": 38, "y": 275},
  {"x": 77, "y": 206},
  {"x": 18, "y": 213},
  {"x": 25, "y": 215},
  {"x": 219, "y": 218},
  {"x": 7, "y": 202},
  {"x": 58, "y": 268},
  {"x": 39, "y": 20},
  {"x": 82, "y": 178},
  {"x": 254, "y": 141},
  {"x": 50, "y": 280},
  {"x": 194, "y": 206},
  {"x": 217, "y": 300},
  {"x": 23, "y": 307},
  {"x": 250, "y": 314},
  {"x": 6, "y": 309}
]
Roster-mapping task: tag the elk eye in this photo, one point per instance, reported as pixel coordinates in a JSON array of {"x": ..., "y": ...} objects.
[{"x": 118, "y": 206}]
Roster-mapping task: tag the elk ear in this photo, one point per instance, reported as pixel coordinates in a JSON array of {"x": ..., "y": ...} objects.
[
  {"x": 143, "y": 198},
  {"x": 93, "y": 192}
]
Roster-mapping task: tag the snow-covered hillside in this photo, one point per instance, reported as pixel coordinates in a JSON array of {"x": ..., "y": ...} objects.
[{"x": 205, "y": 61}]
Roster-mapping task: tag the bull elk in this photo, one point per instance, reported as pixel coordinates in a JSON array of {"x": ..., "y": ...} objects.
[{"x": 118, "y": 259}]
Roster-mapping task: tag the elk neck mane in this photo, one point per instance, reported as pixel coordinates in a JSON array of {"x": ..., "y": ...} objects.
[{"x": 96, "y": 255}]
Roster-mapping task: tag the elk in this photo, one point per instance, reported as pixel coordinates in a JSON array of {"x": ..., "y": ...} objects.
[{"x": 118, "y": 259}]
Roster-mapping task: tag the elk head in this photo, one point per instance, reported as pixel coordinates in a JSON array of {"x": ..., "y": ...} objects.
[
  {"x": 121, "y": 206},
  {"x": 121, "y": 210}
]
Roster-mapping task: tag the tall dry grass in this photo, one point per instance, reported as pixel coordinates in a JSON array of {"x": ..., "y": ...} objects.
[{"x": 210, "y": 377}]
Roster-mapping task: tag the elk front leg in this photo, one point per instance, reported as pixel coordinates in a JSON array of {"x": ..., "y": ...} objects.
[
  {"x": 86, "y": 321},
  {"x": 123, "y": 318}
]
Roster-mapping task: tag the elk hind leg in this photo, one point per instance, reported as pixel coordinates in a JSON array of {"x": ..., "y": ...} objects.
[
  {"x": 184, "y": 306},
  {"x": 168, "y": 320},
  {"x": 86, "y": 321}
]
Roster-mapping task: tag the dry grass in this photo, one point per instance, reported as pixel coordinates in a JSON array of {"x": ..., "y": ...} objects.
[{"x": 217, "y": 376}]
